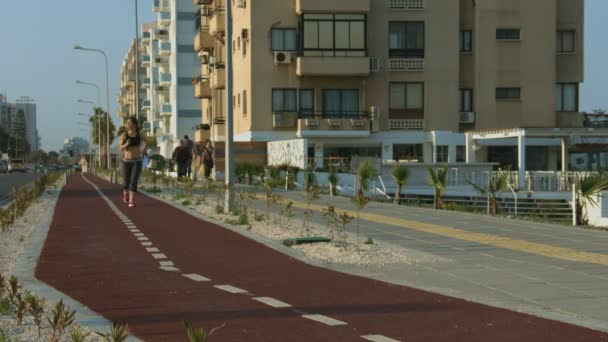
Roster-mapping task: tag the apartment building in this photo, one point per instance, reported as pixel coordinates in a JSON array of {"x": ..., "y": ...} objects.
[
  {"x": 8, "y": 112},
  {"x": 167, "y": 62},
  {"x": 395, "y": 79}
]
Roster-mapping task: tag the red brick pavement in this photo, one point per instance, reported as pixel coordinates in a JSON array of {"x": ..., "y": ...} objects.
[{"x": 91, "y": 256}]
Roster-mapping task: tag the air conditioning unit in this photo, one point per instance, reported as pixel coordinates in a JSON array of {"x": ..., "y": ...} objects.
[
  {"x": 241, "y": 3},
  {"x": 282, "y": 57},
  {"x": 283, "y": 120},
  {"x": 467, "y": 117},
  {"x": 374, "y": 64}
]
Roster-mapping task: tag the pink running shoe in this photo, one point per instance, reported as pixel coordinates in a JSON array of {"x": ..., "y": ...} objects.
[
  {"x": 131, "y": 205},
  {"x": 125, "y": 196}
]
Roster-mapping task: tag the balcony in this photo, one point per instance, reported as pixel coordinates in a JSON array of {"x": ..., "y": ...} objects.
[
  {"x": 406, "y": 124},
  {"x": 161, "y": 34},
  {"x": 162, "y": 61},
  {"x": 156, "y": 6},
  {"x": 406, "y": 4},
  {"x": 164, "y": 18},
  {"x": 146, "y": 37},
  {"x": 202, "y": 2},
  {"x": 284, "y": 120},
  {"x": 466, "y": 117},
  {"x": 203, "y": 41},
  {"x": 164, "y": 49},
  {"x": 165, "y": 109},
  {"x": 333, "y": 66},
  {"x": 332, "y": 6},
  {"x": 406, "y": 64},
  {"x": 217, "y": 22},
  {"x": 145, "y": 60},
  {"x": 218, "y": 78},
  {"x": 348, "y": 125},
  {"x": 165, "y": 79},
  {"x": 145, "y": 83},
  {"x": 145, "y": 104},
  {"x": 202, "y": 88}
]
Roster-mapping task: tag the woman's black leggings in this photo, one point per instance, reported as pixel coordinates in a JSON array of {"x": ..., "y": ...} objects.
[{"x": 131, "y": 170}]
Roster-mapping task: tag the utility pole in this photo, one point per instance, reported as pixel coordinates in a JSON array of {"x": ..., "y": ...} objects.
[
  {"x": 229, "y": 144},
  {"x": 136, "y": 61}
]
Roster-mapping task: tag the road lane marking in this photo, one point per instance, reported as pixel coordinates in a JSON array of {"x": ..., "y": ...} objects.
[
  {"x": 159, "y": 256},
  {"x": 152, "y": 250},
  {"x": 146, "y": 243},
  {"x": 142, "y": 238},
  {"x": 166, "y": 263},
  {"x": 272, "y": 302},
  {"x": 196, "y": 277},
  {"x": 379, "y": 338},
  {"x": 169, "y": 268},
  {"x": 230, "y": 288},
  {"x": 325, "y": 320}
]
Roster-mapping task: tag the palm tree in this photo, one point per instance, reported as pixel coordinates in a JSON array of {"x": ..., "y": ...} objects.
[
  {"x": 365, "y": 173},
  {"x": 587, "y": 188},
  {"x": 438, "y": 179},
  {"x": 400, "y": 176},
  {"x": 496, "y": 184}
]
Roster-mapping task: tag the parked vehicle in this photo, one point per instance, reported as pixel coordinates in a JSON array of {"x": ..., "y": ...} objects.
[
  {"x": 3, "y": 166},
  {"x": 16, "y": 165}
]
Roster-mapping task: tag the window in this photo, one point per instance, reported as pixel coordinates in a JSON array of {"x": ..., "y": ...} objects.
[
  {"x": 508, "y": 34},
  {"x": 406, "y": 39},
  {"x": 334, "y": 35},
  {"x": 284, "y": 100},
  {"x": 466, "y": 41},
  {"x": 238, "y": 99},
  {"x": 466, "y": 100},
  {"x": 406, "y": 96},
  {"x": 408, "y": 152},
  {"x": 244, "y": 102},
  {"x": 340, "y": 102},
  {"x": 442, "y": 154},
  {"x": 461, "y": 154},
  {"x": 284, "y": 39},
  {"x": 566, "y": 97},
  {"x": 566, "y": 41},
  {"x": 508, "y": 93},
  {"x": 307, "y": 102}
]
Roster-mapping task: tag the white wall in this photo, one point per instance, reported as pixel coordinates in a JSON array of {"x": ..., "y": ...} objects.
[
  {"x": 598, "y": 215},
  {"x": 290, "y": 152}
]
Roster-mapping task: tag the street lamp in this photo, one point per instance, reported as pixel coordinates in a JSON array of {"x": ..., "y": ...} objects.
[
  {"x": 98, "y": 121},
  {"x": 78, "y": 47}
]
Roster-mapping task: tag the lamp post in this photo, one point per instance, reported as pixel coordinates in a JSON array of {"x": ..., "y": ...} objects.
[
  {"x": 78, "y": 47},
  {"x": 98, "y": 121},
  {"x": 136, "y": 61},
  {"x": 229, "y": 144}
]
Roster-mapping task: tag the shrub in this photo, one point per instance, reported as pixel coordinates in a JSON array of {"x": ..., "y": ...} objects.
[
  {"x": 199, "y": 334},
  {"x": 60, "y": 319}
]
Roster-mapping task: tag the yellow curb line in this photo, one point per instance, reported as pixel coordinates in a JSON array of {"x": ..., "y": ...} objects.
[{"x": 487, "y": 239}]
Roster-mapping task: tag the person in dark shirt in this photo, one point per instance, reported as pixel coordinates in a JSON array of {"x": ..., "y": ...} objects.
[
  {"x": 190, "y": 149},
  {"x": 180, "y": 158}
]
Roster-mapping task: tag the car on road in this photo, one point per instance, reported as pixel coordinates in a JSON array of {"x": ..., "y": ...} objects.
[
  {"x": 3, "y": 166},
  {"x": 16, "y": 165}
]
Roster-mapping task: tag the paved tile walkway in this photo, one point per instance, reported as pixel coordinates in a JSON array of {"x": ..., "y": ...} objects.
[{"x": 183, "y": 268}]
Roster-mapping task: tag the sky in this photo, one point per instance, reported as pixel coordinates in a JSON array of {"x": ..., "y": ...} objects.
[{"x": 37, "y": 57}]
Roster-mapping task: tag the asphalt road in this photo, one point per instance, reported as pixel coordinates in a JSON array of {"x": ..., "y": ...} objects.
[{"x": 13, "y": 180}]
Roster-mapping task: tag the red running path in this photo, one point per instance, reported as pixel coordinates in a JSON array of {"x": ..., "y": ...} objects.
[{"x": 90, "y": 255}]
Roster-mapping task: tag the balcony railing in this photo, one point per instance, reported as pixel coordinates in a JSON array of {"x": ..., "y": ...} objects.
[
  {"x": 165, "y": 48},
  {"x": 334, "y": 115},
  {"x": 406, "y": 64},
  {"x": 165, "y": 18},
  {"x": 406, "y": 124},
  {"x": 145, "y": 104},
  {"x": 165, "y": 109},
  {"x": 406, "y": 4},
  {"x": 165, "y": 78}
]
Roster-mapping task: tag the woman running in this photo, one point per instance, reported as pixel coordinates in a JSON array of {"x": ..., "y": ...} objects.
[{"x": 132, "y": 146}]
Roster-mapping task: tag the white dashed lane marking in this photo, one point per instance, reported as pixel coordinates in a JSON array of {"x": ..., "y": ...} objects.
[
  {"x": 379, "y": 338},
  {"x": 152, "y": 250},
  {"x": 146, "y": 243},
  {"x": 325, "y": 320},
  {"x": 159, "y": 256},
  {"x": 142, "y": 238},
  {"x": 272, "y": 302},
  {"x": 139, "y": 234},
  {"x": 230, "y": 288},
  {"x": 166, "y": 263},
  {"x": 196, "y": 277},
  {"x": 170, "y": 269}
]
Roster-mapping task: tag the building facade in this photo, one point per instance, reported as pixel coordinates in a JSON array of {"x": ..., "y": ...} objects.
[
  {"x": 167, "y": 61},
  {"x": 394, "y": 79},
  {"x": 8, "y": 111}
]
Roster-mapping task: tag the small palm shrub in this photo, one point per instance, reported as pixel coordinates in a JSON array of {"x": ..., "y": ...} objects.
[
  {"x": 587, "y": 189},
  {"x": 60, "y": 319},
  {"x": 199, "y": 334},
  {"x": 400, "y": 175},
  {"x": 365, "y": 173},
  {"x": 438, "y": 179},
  {"x": 118, "y": 333}
]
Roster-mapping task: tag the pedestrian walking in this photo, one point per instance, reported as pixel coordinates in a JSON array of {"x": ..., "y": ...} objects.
[
  {"x": 180, "y": 158},
  {"x": 132, "y": 146},
  {"x": 190, "y": 149},
  {"x": 208, "y": 162}
]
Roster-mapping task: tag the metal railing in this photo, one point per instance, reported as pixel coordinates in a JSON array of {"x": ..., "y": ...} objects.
[
  {"x": 406, "y": 4},
  {"x": 334, "y": 115},
  {"x": 406, "y": 124}
]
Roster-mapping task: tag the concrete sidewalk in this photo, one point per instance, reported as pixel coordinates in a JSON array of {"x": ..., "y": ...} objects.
[{"x": 154, "y": 266}]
